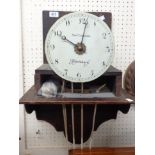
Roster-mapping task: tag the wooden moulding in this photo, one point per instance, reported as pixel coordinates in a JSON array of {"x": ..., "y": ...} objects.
[
  {"x": 31, "y": 97},
  {"x": 104, "y": 151}
]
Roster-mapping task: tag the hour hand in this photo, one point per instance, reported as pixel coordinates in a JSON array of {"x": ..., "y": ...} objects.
[{"x": 64, "y": 38}]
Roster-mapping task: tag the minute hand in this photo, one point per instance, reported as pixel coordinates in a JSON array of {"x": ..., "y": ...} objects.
[
  {"x": 64, "y": 38},
  {"x": 86, "y": 23}
]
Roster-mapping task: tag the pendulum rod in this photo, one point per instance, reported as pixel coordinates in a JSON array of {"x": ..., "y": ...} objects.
[
  {"x": 63, "y": 86},
  {"x": 65, "y": 120},
  {"x": 93, "y": 125},
  {"x": 81, "y": 126},
  {"x": 81, "y": 119},
  {"x": 73, "y": 127},
  {"x": 82, "y": 88},
  {"x": 64, "y": 112}
]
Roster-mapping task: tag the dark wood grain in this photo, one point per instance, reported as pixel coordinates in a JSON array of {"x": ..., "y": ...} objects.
[
  {"x": 118, "y": 85},
  {"x": 104, "y": 151}
]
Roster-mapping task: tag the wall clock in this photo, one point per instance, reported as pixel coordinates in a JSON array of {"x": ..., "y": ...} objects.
[
  {"x": 79, "y": 47},
  {"x": 79, "y": 50}
]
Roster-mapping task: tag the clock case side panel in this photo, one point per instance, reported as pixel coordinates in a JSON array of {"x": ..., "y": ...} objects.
[{"x": 49, "y": 21}]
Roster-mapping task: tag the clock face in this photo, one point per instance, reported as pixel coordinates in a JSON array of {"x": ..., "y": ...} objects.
[{"x": 79, "y": 47}]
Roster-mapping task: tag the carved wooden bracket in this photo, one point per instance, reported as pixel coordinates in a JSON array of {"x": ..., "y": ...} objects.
[{"x": 53, "y": 115}]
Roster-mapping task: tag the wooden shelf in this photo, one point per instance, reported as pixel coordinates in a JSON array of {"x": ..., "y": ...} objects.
[
  {"x": 50, "y": 110},
  {"x": 104, "y": 151},
  {"x": 31, "y": 97}
]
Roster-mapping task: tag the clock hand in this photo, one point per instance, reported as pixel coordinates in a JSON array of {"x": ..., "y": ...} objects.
[
  {"x": 86, "y": 23},
  {"x": 64, "y": 38},
  {"x": 78, "y": 48}
]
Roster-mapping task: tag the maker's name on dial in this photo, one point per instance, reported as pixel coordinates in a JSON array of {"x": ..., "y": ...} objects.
[{"x": 74, "y": 61}]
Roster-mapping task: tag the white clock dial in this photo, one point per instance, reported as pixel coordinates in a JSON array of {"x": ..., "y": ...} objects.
[{"x": 79, "y": 47}]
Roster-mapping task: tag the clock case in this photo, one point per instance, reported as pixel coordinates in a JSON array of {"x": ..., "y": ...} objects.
[
  {"x": 112, "y": 77},
  {"x": 50, "y": 110}
]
